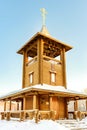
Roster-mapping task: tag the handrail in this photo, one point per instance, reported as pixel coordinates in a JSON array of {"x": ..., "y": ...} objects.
[
  {"x": 32, "y": 60},
  {"x": 44, "y": 58},
  {"x": 18, "y": 111},
  {"x": 28, "y": 114},
  {"x": 49, "y": 58}
]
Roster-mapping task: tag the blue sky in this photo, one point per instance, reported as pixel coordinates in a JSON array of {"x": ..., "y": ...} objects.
[{"x": 21, "y": 19}]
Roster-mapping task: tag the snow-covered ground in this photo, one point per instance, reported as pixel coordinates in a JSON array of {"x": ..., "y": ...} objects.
[
  {"x": 44, "y": 125},
  {"x": 31, "y": 125},
  {"x": 74, "y": 124}
]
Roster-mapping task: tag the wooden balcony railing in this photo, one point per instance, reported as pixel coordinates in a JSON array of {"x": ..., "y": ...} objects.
[
  {"x": 31, "y": 61},
  {"x": 46, "y": 58},
  {"x": 52, "y": 60},
  {"x": 28, "y": 114}
]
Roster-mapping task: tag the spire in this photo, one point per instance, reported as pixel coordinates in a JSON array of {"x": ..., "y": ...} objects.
[{"x": 44, "y": 29}]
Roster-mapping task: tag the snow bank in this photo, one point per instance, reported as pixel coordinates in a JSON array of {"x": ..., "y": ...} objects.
[
  {"x": 84, "y": 120},
  {"x": 31, "y": 125}
]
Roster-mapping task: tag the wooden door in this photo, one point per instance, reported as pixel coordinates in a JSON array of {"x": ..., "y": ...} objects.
[
  {"x": 55, "y": 106},
  {"x": 62, "y": 108},
  {"x": 58, "y": 105}
]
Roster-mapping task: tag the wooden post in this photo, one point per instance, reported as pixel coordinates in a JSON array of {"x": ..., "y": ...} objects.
[
  {"x": 17, "y": 106},
  {"x": 22, "y": 116},
  {"x": 86, "y": 104},
  {"x": 24, "y": 103},
  {"x": 23, "y": 107},
  {"x": 63, "y": 59},
  {"x": 5, "y": 105},
  {"x": 35, "y": 101},
  {"x": 76, "y": 109},
  {"x": 10, "y": 105},
  {"x": 76, "y": 105},
  {"x": 25, "y": 59},
  {"x": 2, "y": 115},
  {"x": 52, "y": 112},
  {"x": 50, "y": 103},
  {"x": 66, "y": 108},
  {"x": 40, "y": 60},
  {"x": 8, "y": 116},
  {"x": 36, "y": 116}
]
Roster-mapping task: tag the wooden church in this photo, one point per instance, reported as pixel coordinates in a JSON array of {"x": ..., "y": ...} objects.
[{"x": 44, "y": 89}]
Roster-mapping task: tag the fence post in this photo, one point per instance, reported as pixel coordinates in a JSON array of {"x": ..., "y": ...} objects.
[
  {"x": 8, "y": 116},
  {"x": 2, "y": 115},
  {"x": 36, "y": 116},
  {"x": 22, "y": 116}
]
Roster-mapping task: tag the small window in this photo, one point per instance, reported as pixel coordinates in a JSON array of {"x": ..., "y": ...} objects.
[
  {"x": 53, "y": 77},
  {"x": 31, "y": 78}
]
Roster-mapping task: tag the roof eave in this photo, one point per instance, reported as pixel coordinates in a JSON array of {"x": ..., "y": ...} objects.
[
  {"x": 32, "y": 38},
  {"x": 48, "y": 89},
  {"x": 67, "y": 47}
]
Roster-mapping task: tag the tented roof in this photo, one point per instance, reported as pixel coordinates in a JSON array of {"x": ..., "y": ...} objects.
[{"x": 43, "y": 35}]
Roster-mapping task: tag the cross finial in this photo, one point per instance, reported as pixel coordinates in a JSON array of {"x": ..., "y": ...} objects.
[{"x": 43, "y": 11}]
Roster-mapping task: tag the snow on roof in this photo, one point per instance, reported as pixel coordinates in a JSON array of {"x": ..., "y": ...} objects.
[
  {"x": 56, "y": 89},
  {"x": 46, "y": 88}
]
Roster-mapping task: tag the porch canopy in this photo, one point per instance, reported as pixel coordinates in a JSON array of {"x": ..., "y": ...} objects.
[{"x": 59, "y": 91}]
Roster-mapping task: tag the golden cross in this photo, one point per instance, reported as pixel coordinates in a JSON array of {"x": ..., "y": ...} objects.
[{"x": 43, "y": 11}]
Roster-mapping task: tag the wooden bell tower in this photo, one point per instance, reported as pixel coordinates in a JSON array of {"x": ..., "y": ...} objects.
[{"x": 44, "y": 59}]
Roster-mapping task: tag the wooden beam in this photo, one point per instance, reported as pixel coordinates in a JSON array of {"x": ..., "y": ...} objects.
[
  {"x": 31, "y": 46},
  {"x": 17, "y": 97},
  {"x": 31, "y": 93},
  {"x": 51, "y": 41}
]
